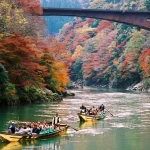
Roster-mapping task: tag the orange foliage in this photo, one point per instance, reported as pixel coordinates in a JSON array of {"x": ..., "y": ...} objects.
[
  {"x": 30, "y": 6},
  {"x": 104, "y": 24},
  {"x": 59, "y": 73},
  {"x": 144, "y": 61},
  {"x": 21, "y": 58},
  {"x": 58, "y": 59},
  {"x": 77, "y": 53},
  {"x": 59, "y": 51}
]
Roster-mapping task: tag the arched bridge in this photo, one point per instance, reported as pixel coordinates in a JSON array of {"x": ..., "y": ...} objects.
[{"x": 137, "y": 18}]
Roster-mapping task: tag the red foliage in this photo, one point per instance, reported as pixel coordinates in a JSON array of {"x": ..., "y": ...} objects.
[
  {"x": 59, "y": 52},
  {"x": 88, "y": 20},
  {"x": 21, "y": 58},
  {"x": 144, "y": 61},
  {"x": 104, "y": 24},
  {"x": 30, "y": 6},
  {"x": 118, "y": 47},
  {"x": 94, "y": 64}
]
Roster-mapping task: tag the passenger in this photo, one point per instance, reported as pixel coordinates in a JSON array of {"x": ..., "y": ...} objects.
[
  {"x": 35, "y": 130},
  {"x": 23, "y": 127},
  {"x": 25, "y": 130},
  {"x": 11, "y": 128},
  {"x": 82, "y": 109},
  {"x": 28, "y": 129},
  {"x": 87, "y": 111},
  {"x": 44, "y": 127},
  {"x": 47, "y": 126},
  {"x": 44, "y": 122},
  {"x": 93, "y": 111},
  {"x": 18, "y": 128},
  {"x": 51, "y": 127}
]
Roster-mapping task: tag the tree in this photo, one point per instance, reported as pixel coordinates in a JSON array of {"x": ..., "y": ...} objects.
[
  {"x": 3, "y": 75},
  {"x": 21, "y": 57},
  {"x": 144, "y": 61},
  {"x": 147, "y": 4}
]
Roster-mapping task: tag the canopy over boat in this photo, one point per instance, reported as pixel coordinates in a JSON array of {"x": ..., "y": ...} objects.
[{"x": 10, "y": 137}]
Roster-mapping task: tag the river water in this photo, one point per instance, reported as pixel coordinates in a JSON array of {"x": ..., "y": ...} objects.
[{"x": 128, "y": 129}]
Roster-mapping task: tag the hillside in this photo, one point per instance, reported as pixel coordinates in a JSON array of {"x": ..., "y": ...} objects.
[
  {"x": 108, "y": 53},
  {"x": 53, "y": 23}
]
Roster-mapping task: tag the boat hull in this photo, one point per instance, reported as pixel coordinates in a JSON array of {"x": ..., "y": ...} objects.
[
  {"x": 9, "y": 137},
  {"x": 85, "y": 118}
]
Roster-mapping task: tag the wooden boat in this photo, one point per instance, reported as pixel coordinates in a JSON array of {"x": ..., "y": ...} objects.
[
  {"x": 87, "y": 124},
  {"x": 85, "y": 117},
  {"x": 10, "y": 137}
]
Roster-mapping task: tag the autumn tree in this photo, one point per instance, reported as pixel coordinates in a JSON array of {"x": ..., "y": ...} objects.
[
  {"x": 21, "y": 58},
  {"x": 15, "y": 19},
  {"x": 144, "y": 61}
]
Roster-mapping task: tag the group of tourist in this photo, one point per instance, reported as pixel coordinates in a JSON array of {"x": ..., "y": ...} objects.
[
  {"x": 92, "y": 110},
  {"x": 34, "y": 128}
]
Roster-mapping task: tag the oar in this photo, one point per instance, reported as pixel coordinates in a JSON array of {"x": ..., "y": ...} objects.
[
  {"x": 70, "y": 126},
  {"x": 73, "y": 128},
  {"x": 110, "y": 112}
]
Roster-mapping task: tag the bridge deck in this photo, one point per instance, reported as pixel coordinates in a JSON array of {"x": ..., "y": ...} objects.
[{"x": 137, "y": 18}]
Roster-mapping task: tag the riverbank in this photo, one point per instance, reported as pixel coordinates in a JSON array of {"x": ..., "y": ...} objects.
[
  {"x": 139, "y": 87},
  {"x": 32, "y": 95},
  {"x": 143, "y": 86},
  {"x": 28, "y": 96}
]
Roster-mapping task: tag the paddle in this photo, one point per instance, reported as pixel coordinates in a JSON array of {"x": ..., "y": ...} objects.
[
  {"x": 70, "y": 126},
  {"x": 110, "y": 112},
  {"x": 73, "y": 128}
]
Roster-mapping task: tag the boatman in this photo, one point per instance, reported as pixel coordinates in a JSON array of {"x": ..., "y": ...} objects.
[
  {"x": 83, "y": 109},
  {"x": 56, "y": 120},
  {"x": 101, "y": 108}
]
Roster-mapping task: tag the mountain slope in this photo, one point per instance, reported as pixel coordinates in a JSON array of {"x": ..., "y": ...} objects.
[
  {"x": 108, "y": 53},
  {"x": 53, "y": 23}
]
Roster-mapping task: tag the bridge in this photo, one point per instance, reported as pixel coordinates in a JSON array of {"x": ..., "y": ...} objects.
[{"x": 136, "y": 18}]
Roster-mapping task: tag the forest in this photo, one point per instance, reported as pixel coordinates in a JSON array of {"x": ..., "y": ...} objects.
[
  {"x": 109, "y": 54},
  {"x": 33, "y": 67}
]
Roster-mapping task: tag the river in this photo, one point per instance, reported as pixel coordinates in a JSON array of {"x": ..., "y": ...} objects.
[{"x": 128, "y": 129}]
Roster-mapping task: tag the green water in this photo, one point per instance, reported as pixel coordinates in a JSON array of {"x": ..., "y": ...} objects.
[{"x": 129, "y": 129}]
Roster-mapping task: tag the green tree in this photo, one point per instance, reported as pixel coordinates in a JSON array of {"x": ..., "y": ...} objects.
[
  {"x": 147, "y": 4},
  {"x": 3, "y": 75}
]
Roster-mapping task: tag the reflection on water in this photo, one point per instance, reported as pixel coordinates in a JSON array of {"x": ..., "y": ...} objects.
[
  {"x": 51, "y": 144},
  {"x": 128, "y": 130},
  {"x": 11, "y": 146},
  {"x": 91, "y": 124}
]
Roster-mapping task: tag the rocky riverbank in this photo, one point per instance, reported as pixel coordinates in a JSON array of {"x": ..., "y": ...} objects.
[
  {"x": 140, "y": 87},
  {"x": 28, "y": 96}
]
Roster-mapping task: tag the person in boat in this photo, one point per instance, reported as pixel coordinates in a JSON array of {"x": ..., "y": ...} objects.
[
  {"x": 25, "y": 129},
  {"x": 93, "y": 111},
  {"x": 82, "y": 109},
  {"x": 11, "y": 128},
  {"x": 36, "y": 130},
  {"x": 18, "y": 128},
  {"x": 101, "y": 108},
  {"x": 50, "y": 129},
  {"x": 56, "y": 121}
]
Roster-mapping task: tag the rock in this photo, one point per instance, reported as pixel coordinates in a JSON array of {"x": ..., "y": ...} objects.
[
  {"x": 139, "y": 87},
  {"x": 70, "y": 94}
]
